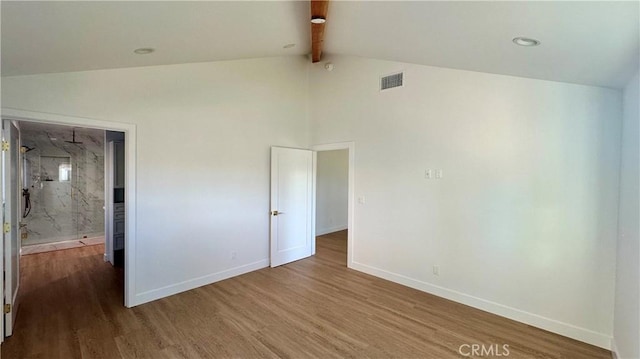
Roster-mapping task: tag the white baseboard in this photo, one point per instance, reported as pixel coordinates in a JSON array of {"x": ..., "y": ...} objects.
[
  {"x": 584, "y": 335},
  {"x": 322, "y": 231},
  {"x": 614, "y": 349},
  {"x": 169, "y": 290}
]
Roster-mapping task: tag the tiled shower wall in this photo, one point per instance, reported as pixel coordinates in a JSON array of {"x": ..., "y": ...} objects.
[{"x": 66, "y": 184}]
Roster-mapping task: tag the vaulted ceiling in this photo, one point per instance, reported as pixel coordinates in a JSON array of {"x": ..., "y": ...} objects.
[{"x": 593, "y": 43}]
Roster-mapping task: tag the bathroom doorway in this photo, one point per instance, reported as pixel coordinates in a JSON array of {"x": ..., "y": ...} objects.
[
  {"x": 129, "y": 130},
  {"x": 63, "y": 187}
]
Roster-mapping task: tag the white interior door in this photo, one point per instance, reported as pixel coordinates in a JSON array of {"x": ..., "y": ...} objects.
[
  {"x": 292, "y": 204},
  {"x": 11, "y": 213}
]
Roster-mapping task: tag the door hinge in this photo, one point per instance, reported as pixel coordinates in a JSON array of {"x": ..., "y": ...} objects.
[
  {"x": 7, "y": 227},
  {"x": 7, "y": 308},
  {"x": 5, "y": 145}
]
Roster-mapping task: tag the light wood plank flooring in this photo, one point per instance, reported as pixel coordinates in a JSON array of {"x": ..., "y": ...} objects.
[{"x": 313, "y": 308}]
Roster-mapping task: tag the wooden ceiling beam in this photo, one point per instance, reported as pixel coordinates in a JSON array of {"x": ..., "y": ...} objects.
[{"x": 318, "y": 10}]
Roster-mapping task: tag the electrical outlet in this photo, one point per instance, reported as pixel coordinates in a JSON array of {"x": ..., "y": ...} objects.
[
  {"x": 362, "y": 200},
  {"x": 436, "y": 270},
  {"x": 428, "y": 174},
  {"x": 438, "y": 174},
  {"x": 234, "y": 255}
]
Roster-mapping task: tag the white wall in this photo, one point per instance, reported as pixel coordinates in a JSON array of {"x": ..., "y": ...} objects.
[
  {"x": 523, "y": 224},
  {"x": 204, "y": 133},
  {"x": 332, "y": 189},
  {"x": 626, "y": 330}
]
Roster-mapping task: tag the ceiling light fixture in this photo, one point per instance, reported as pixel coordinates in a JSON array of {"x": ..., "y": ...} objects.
[
  {"x": 288, "y": 46},
  {"x": 525, "y": 41},
  {"x": 144, "y": 50},
  {"x": 318, "y": 20}
]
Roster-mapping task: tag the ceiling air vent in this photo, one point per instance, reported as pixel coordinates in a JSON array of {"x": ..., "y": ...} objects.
[{"x": 391, "y": 81}]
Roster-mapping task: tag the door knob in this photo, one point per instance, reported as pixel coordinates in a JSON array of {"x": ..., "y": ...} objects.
[{"x": 275, "y": 213}]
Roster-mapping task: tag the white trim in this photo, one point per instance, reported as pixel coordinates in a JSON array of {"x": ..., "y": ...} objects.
[
  {"x": 324, "y": 231},
  {"x": 314, "y": 172},
  {"x": 614, "y": 349},
  {"x": 351, "y": 146},
  {"x": 11, "y": 215},
  {"x": 582, "y": 334},
  {"x": 108, "y": 205},
  {"x": 130, "y": 299},
  {"x": 186, "y": 285}
]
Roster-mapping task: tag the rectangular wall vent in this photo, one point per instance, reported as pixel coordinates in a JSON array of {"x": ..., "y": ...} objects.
[{"x": 391, "y": 81}]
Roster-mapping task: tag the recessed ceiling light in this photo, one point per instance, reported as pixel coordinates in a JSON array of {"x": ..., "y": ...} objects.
[
  {"x": 525, "y": 41},
  {"x": 288, "y": 46},
  {"x": 144, "y": 50},
  {"x": 318, "y": 20}
]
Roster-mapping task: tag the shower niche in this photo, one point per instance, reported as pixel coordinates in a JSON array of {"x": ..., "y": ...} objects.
[{"x": 62, "y": 185}]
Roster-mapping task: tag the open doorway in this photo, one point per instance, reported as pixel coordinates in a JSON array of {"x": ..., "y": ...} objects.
[
  {"x": 130, "y": 298},
  {"x": 332, "y": 190},
  {"x": 72, "y": 186},
  {"x": 63, "y": 183},
  {"x": 334, "y": 201}
]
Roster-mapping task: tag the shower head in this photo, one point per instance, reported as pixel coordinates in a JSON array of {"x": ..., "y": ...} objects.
[{"x": 74, "y": 138}]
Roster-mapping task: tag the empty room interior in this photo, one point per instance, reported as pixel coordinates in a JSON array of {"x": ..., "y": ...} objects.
[{"x": 317, "y": 179}]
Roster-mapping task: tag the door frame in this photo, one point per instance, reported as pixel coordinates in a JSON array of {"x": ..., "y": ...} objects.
[
  {"x": 130, "y": 179},
  {"x": 350, "y": 146},
  {"x": 108, "y": 201},
  {"x": 13, "y": 216}
]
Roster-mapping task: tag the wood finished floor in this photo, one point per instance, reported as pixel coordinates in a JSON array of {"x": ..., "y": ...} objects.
[{"x": 313, "y": 308}]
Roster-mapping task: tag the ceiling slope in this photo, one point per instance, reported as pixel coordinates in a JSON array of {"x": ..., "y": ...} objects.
[
  {"x": 62, "y": 36},
  {"x": 593, "y": 42}
]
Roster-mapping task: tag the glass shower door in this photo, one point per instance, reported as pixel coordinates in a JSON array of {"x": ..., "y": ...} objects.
[
  {"x": 52, "y": 217},
  {"x": 64, "y": 182}
]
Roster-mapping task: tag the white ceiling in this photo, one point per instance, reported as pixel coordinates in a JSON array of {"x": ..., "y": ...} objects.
[
  {"x": 52, "y": 36},
  {"x": 593, "y": 43}
]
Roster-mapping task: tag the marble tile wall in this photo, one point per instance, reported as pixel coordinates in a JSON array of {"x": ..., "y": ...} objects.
[{"x": 66, "y": 183}]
